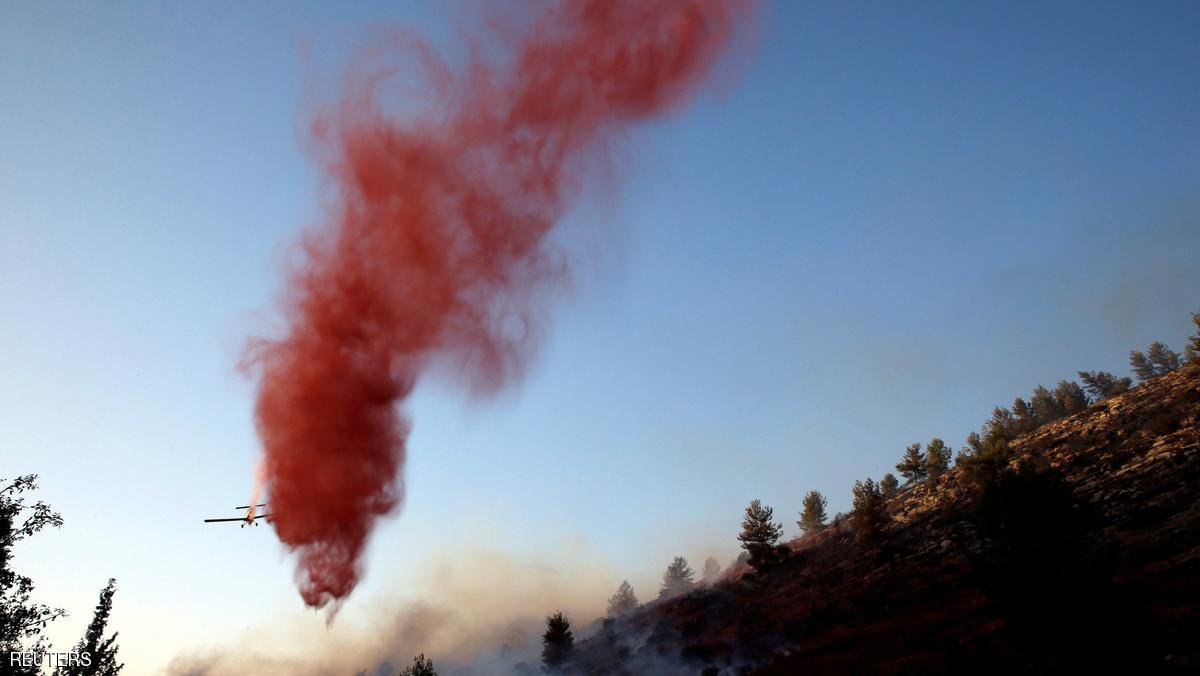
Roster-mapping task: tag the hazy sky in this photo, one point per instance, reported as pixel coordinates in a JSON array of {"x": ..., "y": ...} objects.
[{"x": 883, "y": 220}]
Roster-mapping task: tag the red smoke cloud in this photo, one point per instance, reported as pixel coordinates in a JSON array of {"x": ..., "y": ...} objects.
[{"x": 436, "y": 248}]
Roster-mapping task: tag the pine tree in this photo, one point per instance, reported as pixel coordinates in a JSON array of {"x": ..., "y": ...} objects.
[
  {"x": 812, "y": 519},
  {"x": 712, "y": 570},
  {"x": 1158, "y": 360},
  {"x": 103, "y": 652},
  {"x": 1024, "y": 417},
  {"x": 557, "y": 643},
  {"x": 421, "y": 666},
  {"x": 1070, "y": 397},
  {"x": 1141, "y": 365},
  {"x": 912, "y": 465},
  {"x": 974, "y": 444},
  {"x": 21, "y": 621},
  {"x": 937, "y": 458},
  {"x": 623, "y": 602},
  {"x": 677, "y": 579},
  {"x": 1163, "y": 359},
  {"x": 869, "y": 512},
  {"x": 1102, "y": 384},
  {"x": 1045, "y": 406},
  {"x": 962, "y": 454},
  {"x": 888, "y": 485},
  {"x": 1001, "y": 426},
  {"x": 759, "y": 534},
  {"x": 1192, "y": 351}
]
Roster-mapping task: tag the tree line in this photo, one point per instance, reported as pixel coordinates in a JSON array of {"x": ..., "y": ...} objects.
[{"x": 983, "y": 456}]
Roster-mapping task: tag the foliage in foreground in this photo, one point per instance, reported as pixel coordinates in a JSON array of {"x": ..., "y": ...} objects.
[{"x": 22, "y": 620}]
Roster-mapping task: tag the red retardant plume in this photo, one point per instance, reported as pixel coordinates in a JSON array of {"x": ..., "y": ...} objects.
[{"x": 436, "y": 246}]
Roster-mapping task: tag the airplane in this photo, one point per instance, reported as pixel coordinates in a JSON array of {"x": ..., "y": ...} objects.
[{"x": 250, "y": 518}]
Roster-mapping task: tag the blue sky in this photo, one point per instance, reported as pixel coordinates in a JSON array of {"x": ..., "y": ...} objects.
[{"x": 882, "y": 221}]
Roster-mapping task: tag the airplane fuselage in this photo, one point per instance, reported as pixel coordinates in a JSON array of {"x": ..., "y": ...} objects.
[{"x": 250, "y": 518}]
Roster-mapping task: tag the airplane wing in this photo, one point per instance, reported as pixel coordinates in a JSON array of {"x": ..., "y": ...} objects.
[
  {"x": 262, "y": 516},
  {"x": 220, "y": 520},
  {"x": 261, "y": 504}
]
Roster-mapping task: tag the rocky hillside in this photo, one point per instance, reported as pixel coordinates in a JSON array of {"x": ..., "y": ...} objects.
[{"x": 1083, "y": 553}]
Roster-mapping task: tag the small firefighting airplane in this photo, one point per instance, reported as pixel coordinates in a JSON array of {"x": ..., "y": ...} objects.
[{"x": 250, "y": 518}]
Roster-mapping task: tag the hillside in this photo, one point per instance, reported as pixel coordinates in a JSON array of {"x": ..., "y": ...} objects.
[{"x": 1089, "y": 556}]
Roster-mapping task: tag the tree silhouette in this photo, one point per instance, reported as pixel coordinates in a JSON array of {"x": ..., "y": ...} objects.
[
  {"x": 1163, "y": 359},
  {"x": 1045, "y": 406},
  {"x": 712, "y": 570},
  {"x": 102, "y": 652},
  {"x": 1102, "y": 384},
  {"x": 974, "y": 444},
  {"x": 889, "y": 485},
  {"x": 1158, "y": 360},
  {"x": 1192, "y": 351},
  {"x": 677, "y": 579},
  {"x": 937, "y": 458},
  {"x": 623, "y": 602},
  {"x": 912, "y": 465},
  {"x": 1025, "y": 419},
  {"x": 21, "y": 621},
  {"x": 812, "y": 519},
  {"x": 869, "y": 511},
  {"x": 1070, "y": 397},
  {"x": 557, "y": 643},
  {"x": 759, "y": 534},
  {"x": 1003, "y": 425},
  {"x": 1141, "y": 366},
  {"x": 421, "y": 666}
]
